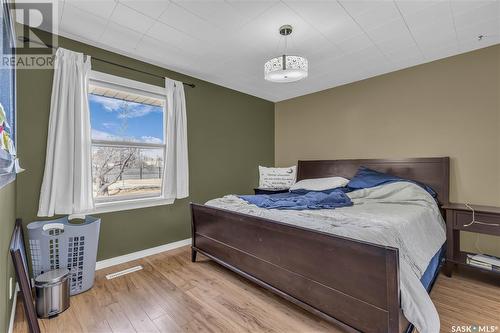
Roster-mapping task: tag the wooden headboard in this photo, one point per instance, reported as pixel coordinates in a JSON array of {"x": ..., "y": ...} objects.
[{"x": 432, "y": 171}]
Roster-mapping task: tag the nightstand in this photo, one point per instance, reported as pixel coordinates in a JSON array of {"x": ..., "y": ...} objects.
[
  {"x": 459, "y": 217},
  {"x": 269, "y": 190}
]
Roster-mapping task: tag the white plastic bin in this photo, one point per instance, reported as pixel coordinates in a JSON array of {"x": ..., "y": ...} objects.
[{"x": 60, "y": 244}]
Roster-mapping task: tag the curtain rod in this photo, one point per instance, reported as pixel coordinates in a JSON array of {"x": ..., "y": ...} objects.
[{"x": 27, "y": 40}]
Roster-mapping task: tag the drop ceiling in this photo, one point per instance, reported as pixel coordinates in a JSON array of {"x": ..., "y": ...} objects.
[{"x": 227, "y": 42}]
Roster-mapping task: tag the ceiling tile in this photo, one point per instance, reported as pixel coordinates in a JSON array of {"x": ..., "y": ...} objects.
[
  {"x": 371, "y": 53},
  {"x": 263, "y": 32},
  {"x": 328, "y": 81},
  {"x": 218, "y": 13},
  {"x": 161, "y": 53},
  {"x": 442, "y": 51},
  {"x": 321, "y": 14},
  {"x": 154, "y": 47},
  {"x": 375, "y": 68},
  {"x": 131, "y": 18},
  {"x": 475, "y": 44},
  {"x": 487, "y": 12},
  {"x": 174, "y": 38},
  {"x": 388, "y": 31},
  {"x": 436, "y": 13},
  {"x": 227, "y": 42},
  {"x": 328, "y": 17},
  {"x": 407, "y": 62},
  {"x": 328, "y": 50},
  {"x": 101, "y": 8},
  {"x": 373, "y": 13},
  {"x": 81, "y": 23},
  {"x": 120, "y": 37},
  {"x": 432, "y": 25},
  {"x": 242, "y": 54},
  {"x": 356, "y": 43},
  {"x": 435, "y": 36},
  {"x": 469, "y": 34},
  {"x": 399, "y": 42},
  {"x": 181, "y": 19},
  {"x": 408, "y": 7},
  {"x": 331, "y": 67},
  {"x": 338, "y": 67},
  {"x": 460, "y": 7},
  {"x": 405, "y": 54},
  {"x": 392, "y": 36},
  {"x": 251, "y": 9},
  {"x": 244, "y": 67},
  {"x": 360, "y": 7},
  {"x": 151, "y": 8}
]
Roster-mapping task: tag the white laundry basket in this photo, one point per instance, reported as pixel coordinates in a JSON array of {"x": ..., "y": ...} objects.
[{"x": 60, "y": 244}]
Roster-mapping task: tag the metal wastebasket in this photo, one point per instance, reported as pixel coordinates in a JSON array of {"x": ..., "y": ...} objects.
[{"x": 52, "y": 292}]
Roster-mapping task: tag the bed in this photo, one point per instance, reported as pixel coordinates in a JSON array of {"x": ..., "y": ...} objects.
[{"x": 353, "y": 283}]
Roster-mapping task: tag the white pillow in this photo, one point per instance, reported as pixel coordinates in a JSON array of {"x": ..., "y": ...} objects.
[
  {"x": 320, "y": 184},
  {"x": 277, "y": 178}
]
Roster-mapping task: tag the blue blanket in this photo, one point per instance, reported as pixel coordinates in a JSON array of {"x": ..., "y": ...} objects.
[
  {"x": 300, "y": 201},
  {"x": 366, "y": 178},
  {"x": 328, "y": 199}
]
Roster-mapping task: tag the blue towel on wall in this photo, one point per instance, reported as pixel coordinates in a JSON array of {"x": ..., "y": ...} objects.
[{"x": 300, "y": 201}]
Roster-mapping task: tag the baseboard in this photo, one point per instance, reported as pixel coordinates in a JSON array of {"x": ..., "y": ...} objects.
[
  {"x": 13, "y": 310},
  {"x": 140, "y": 254}
]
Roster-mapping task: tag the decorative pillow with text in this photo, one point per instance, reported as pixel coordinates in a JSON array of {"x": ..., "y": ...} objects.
[{"x": 277, "y": 178}]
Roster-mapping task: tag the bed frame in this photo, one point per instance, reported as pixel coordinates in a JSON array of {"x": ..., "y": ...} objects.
[{"x": 352, "y": 283}]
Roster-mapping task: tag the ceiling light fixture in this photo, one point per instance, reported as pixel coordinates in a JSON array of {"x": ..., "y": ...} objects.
[{"x": 286, "y": 68}]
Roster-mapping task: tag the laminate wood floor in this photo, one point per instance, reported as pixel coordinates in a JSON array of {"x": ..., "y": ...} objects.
[{"x": 171, "y": 294}]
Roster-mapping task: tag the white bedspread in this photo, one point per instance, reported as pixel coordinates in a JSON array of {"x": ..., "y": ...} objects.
[{"x": 401, "y": 215}]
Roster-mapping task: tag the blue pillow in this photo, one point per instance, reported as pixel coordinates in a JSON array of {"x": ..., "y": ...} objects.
[{"x": 366, "y": 178}]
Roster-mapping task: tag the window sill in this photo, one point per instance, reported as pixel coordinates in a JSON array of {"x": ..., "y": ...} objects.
[{"x": 108, "y": 207}]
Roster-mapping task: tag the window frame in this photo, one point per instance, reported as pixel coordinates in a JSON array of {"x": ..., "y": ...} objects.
[{"x": 135, "y": 87}]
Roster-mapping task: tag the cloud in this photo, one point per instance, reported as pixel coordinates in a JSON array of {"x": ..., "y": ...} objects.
[
  {"x": 106, "y": 136},
  {"x": 125, "y": 109},
  {"x": 110, "y": 125},
  {"x": 110, "y": 104},
  {"x": 151, "y": 139},
  {"x": 137, "y": 110}
]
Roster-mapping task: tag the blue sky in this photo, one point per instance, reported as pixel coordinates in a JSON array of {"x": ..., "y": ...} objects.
[{"x": 115, "y": 119}]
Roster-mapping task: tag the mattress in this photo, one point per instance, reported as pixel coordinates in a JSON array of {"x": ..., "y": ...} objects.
[
  {"x": 432, "y": 269},
  {"x": 400, "y": 215}
]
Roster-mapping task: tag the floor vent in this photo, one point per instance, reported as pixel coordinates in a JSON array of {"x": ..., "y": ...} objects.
[{"x": 125, "y": 271}]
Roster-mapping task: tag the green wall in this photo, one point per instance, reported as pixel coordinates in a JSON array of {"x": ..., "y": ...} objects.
[
  {"x": 7, "y": 219},
  {"x": 229, "y": 133}
]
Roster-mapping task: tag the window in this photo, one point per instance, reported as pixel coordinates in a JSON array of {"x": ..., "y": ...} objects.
[{"x": 128, "y": 142}]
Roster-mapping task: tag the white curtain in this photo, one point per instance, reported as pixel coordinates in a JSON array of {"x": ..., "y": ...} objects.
[
  {"x": 176, "y": 173},
  {"x": 67, "y": 180}
]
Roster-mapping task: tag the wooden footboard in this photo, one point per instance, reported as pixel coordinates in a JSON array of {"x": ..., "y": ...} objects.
[{"x": 353, "y": 283}]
